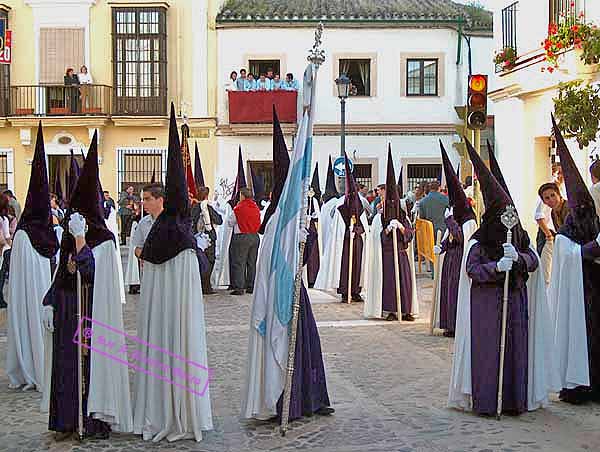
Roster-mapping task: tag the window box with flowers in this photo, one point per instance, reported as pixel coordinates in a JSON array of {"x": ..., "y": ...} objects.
[
  {"x": 572, "y": 42},
  {"x": 505, "y": 59}
]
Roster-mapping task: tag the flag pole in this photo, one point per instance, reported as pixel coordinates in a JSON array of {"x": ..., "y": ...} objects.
[{"x": 316, "y": 57}]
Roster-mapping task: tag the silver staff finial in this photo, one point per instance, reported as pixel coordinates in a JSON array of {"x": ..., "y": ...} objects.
[
  {"x": 317, "y": 55},
  {"x": 510, "y": 218}
]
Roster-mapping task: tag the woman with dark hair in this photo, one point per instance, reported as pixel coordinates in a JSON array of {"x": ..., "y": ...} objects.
[
  {"x": 72, "y": 91},
  {"x": 5, "y": 242}
]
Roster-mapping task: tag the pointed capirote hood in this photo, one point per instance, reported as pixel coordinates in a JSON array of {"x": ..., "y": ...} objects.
[
  {"x": 578, "y": 194},
  {"x": 330, "y": 188},
  {"x": 171, "y": 233},
  {"x": 281, "y": 164},
  {"x": 240, "y": 180},
  {"x": 391, "y": 205},
  {"x": 153, "y": 178},
  {"x": 315, "y": 184},
  {"x": 400, "y": 184},
  {"x": 495, "y": 169},
  {"x": 198, "y": 174},
  {"x": 36, "y": 218},
  {"x": 491, "y": 233},
  {"x": 57, "y": 187},
  {"x": 72, "y": 175},
  {"x": 352, "y": 206},
  {"x": 456, "y": 195},
  {"x": 258, "y": 185}
]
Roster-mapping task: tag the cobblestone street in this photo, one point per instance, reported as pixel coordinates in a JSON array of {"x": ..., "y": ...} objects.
[{"x": 387, "y": 381}]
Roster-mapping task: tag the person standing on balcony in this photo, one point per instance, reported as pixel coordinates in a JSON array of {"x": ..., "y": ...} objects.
[
  {"x": 242, "y": 81},
  {"x": 270, "y": 74},
  {"x": 276, "y": 84},
  {"x": 290, "y": 84},
  {"x": 231, "y": 84},
  {"x": 85, "y": 79},
  {"x": 72, "y": 91},
  {"x": 251, "y": 83},
  {"x": 263, "y": 83}
]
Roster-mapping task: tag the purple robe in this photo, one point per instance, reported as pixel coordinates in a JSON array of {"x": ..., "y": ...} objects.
[
  {"x": 314, "y": 259},
  {"x": 453, "y": 250},
  {"x": 388, "y": 289},
  {"x": 309, "y": 385},
  {"x": 486, "y": 324},
  {"x": 356, "y": 261},
  {"x": 64, "y": 402},
  {"x": 591, "y": 290}
]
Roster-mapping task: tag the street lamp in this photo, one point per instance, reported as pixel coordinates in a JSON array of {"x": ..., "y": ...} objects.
[{"x": 343, "y": 87}]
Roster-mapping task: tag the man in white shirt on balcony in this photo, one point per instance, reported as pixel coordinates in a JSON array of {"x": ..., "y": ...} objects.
[
  {"x": 263, "y": 83},
  {"x": 290, "y": 84}
]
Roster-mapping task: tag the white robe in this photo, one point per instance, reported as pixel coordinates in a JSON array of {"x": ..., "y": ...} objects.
[
  {"x": 220, "y": 274},
  {"x": 171, "y": 316},
  {"x": 326, "y": 221},
  {"x": 109, "y": 397},
  {"x": 374, "y": 273},
  {"x": 111, "y": 224},
  {"x": 132, "y": 274},
  {"x": 468, "y": 229},
  {"x": 267, "y": 355},
  {"x": 540, "y": 353},
  {"x": 331, "y": 264},
  {"x": 28, "y": 282},
  {"x": 566, "y": 301}
]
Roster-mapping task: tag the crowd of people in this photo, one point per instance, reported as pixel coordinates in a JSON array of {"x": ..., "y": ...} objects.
[{"x": 265, "y": 81}]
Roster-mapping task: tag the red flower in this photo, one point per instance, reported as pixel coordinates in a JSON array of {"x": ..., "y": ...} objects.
[
  {"x": 552, "y": 29},
  {"x": 572, "y": 4},
  {"x": 551, "y": 69},
  {"x": 575, "y": 28},
  {"x": 559, "y": 45}
]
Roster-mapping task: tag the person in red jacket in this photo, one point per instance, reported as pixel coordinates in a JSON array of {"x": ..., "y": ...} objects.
[{"x": 243, "y": 249}]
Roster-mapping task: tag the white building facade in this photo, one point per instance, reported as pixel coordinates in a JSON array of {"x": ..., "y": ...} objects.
[
  {"x": 523, "y": 96},
  {"x": 409, "y": 74}
]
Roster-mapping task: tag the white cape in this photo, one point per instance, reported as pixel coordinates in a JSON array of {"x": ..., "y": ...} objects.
[
  {"x": 331, "y": 264},
  {"x": 540, "y": 365},
  {"x": 468, "y": 229},
  {"x": 374, "y": 272},
  {"x": 132, "y": 274},
  {"x": 220, "y": 274},
  {"x": 171, "y": 316},
  {"x": 109, "y": 397},
  {"x": 566, "y": 300},
  {"x": 111, "y": 224},
  {"x": 326, "y": 222},
  {"x": 267, "y": 354},
  {"x": 28, "y": 282}
]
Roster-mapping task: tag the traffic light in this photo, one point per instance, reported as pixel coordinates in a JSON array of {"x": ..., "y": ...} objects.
[{"x": 477, "y": 102}]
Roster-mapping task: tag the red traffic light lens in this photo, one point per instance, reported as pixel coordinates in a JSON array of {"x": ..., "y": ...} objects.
[
  {"x": 477, "y": 101},
  {"x": 478, "y": 83}
]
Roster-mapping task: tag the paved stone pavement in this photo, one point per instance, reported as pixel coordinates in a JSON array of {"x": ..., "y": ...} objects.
[{"x": 387, "y": 381}]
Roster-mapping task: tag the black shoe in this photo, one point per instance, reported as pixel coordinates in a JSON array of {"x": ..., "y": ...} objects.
[
  {"x": 325, "y": 411},
  {"x": 3, "y": 304},
  {"x": 448, "y": 333},
  {"x": 408, "y": 318},
  {"x": 62, "y": 436},
  {"x": 575, "y": 396},
  {"x": 357, "y": 298},
  {"x": 391, "y": 316},
  {"x": 237, "y": 292},
  {"x": 249, "y": 291},
  {"x": 134, "y": 289}
]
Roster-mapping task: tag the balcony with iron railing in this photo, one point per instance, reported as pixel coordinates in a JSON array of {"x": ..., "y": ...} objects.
[{"x": 77, "y": 100}]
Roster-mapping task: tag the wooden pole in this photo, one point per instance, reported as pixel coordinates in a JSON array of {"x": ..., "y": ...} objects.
[
  {"x": 350, "y": 257},
  {"x": 397, "y": 275},
  {"x": 436, "y": 279}
]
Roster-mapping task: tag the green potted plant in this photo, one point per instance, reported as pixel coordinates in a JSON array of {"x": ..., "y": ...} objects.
[
  {"x": 577, "y": 110},
  {"x": 506, "y": 58}
]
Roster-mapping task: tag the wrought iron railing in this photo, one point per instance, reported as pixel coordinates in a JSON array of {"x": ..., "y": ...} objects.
[
  {"x": 566, "y": 11},
  {"x": 59, "y": 100}
]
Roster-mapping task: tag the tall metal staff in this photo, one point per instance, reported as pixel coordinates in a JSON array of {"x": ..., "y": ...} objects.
[
  {"x": 436, "y": 278},
  {"x": 350, "y": 256},
  {"x": 316, "y": 57},
  {"x": 509, "y": 219},
  {"x": 80, "y": 431}
]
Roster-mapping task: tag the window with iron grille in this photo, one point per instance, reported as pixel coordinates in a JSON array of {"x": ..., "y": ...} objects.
[
  {"x": 359, "y": 73},
  {"x": 509, "y": 26},
  {"x": 262, "y": 170},
  {"x": 4, "y": 77},
  {"x": 5, "y": 172},
  {"x": 140, "y": 61},
  {"x": 422, "y": 77},
  {"x": 363, "y": 174},
  {"x": 135, "y": 167},
  {"x": 562, "y": 11},
  {"x": 422, "y": 173},
  {"x": 257, "y": 67}
]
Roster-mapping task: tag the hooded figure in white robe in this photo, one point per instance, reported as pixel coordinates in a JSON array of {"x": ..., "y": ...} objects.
[
  {"x": 34, "y": 244},
  {"x": 91, "y": 251},
  {"x": 171, "y": 319}
]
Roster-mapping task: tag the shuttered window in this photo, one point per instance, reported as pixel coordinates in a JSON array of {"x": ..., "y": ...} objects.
[{"x": 60, "y": 48}]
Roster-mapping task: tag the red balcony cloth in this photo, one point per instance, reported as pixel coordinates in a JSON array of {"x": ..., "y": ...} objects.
[{"x": 252, "y": 107}]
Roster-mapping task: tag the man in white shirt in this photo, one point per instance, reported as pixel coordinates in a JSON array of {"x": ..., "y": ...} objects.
[
  {"x": 153, "y": 196},
  {"x": 595, "y": 188}
]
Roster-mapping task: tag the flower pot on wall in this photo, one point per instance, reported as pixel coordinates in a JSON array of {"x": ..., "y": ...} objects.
[{"x": 573, "y": 64}]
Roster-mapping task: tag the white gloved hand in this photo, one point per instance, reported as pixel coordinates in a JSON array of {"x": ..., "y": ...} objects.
[
  {"x": 598, "y": 239},
  {"x": 395, "y": 224},
  {"x": 203, "y": 241},
  {"x": 303, "y": 235},
  {"x": 437, "y": 250},
  {"x": 504, "y": 265},
  {"x": 510, "y": 252},
  {"x": 77, "y": 225},
  {"x": 314, "y": 215},
  {"x": 449, "y": 212},
  {"x": 48, "y": 318}
]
